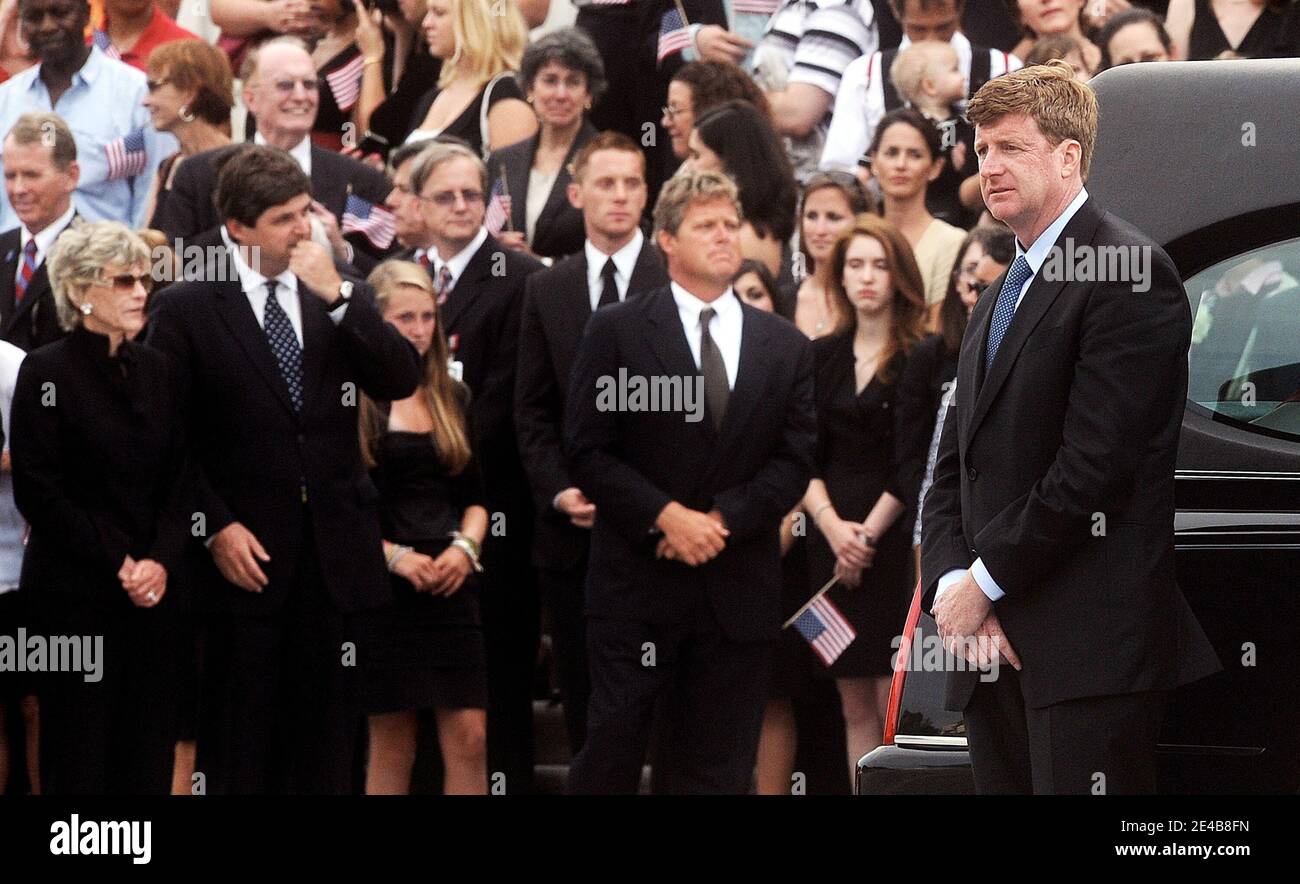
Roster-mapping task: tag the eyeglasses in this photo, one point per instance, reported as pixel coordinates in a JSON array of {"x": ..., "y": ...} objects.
[
  {"x": 155, "y": 85},
  {"x": 285, "y": 87},
  {"x": 126, "y": 282},
  {"x": 447, "y": 198},
  {"x": 671, "y": 111}
]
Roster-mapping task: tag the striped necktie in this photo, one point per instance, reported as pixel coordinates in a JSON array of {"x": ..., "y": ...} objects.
[{"x": 26, "y": 272}]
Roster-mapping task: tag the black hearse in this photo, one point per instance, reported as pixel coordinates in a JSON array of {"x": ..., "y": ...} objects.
[{"x": 1205, "y": 158}]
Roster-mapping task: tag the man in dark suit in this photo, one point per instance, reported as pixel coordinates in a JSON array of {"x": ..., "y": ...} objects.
[
  {"x": 617, "y": 262},
  {"x": 1048, "y": 532},
  {"x": 689, "y": 423},
  {"x": 439, "y": 210},
  {"x": 282, "y": 92},
  {"x": 41, "y": 172},
  {"x": 273, "y": 349}
]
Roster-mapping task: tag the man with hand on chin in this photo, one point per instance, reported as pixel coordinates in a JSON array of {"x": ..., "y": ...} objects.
[
  {"x": 1049, "y": 529},
  {"x": 273, "y": 348},
  {"x": 683, "y": 585}
]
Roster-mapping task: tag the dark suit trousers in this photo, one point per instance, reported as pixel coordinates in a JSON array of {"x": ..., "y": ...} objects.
[
  {"x": 562, "y": 593},
  {"x": 721, "y": 691},
  {"x": 1093, "y": 745},
  {"x": 278, "y": 711}
]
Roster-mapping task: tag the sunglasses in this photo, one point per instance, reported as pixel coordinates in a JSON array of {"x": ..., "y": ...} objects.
[
  {"x": 285, "y": 87},
  {"x": 447, "y": 198},
  {"x": 126, "y": 282}
]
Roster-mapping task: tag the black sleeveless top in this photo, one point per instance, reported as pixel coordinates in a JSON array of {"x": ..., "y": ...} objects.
[{"x": 1207, "y": 39}]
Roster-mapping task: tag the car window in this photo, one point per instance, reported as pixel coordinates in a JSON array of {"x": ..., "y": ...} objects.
[{"x": 1244, "y": 362}]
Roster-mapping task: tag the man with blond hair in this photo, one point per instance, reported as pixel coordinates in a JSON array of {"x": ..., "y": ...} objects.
[
  {"x": 1048, "y": 546},
  {"x": 691, "y": 477}
]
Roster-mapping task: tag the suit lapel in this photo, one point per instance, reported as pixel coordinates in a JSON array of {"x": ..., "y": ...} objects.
[
  {"x": 1039, "y": 297},
  {"x": 316, "y": 325},
  {"x": 467, "y": 285},
  {"x": 558, "y": 198},
  {"x": 517, "y": 182},
  {"x": 648, "y": 272},
  {"x": 9, "y": 251},
  {"x": 328, "y": 187},
  {"x": 668, "y": 338},
  {"x": 233, "y": 308}
]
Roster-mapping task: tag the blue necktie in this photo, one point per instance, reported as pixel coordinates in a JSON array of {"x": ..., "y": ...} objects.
[
  {"x": 284, "y": 344},
  {"x": 1005, "y": 308}
]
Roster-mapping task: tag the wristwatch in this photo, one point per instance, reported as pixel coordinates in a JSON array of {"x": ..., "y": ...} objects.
[{"x": 345, "y": 295}]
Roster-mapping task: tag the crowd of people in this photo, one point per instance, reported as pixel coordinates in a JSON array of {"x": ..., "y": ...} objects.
[{"x": 305, "y": 426}]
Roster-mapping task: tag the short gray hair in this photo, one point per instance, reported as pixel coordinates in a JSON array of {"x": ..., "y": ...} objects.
[
  {"x": 79, "y": 256},
  {"x": 692, "y": 186},
  {"x": 438, "y": 153},
  {"x": 573, "y": 49}
]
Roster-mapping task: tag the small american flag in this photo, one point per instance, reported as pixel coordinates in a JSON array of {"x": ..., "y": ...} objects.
[
  {"x": 105, "y": 43},
  {"x": 126, "y": 156},
  {"x": 376, "y": 224},
  {"x": 345, "y": 82},
  {"x": 758, "y": 7},
  {"x": 498, "y": 208},
  {"x": 674, "y": 35},
  {"x": 824, "y": 627}
]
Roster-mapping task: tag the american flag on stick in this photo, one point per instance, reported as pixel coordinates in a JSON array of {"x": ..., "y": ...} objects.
[
  {"x": 377, "y": 224},
  {"x": 674, "y": 32},
  {"x": 497, "y": 216},
  {"x": 823, "y": 626},
  {"x": 126, "y": 156},
  {"x": 345, "y": 82}
]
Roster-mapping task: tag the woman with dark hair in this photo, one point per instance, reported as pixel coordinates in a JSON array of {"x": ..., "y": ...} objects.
[
  {"x": 98, "y": 472},
  {"x": 1131, "y": 36},
  {"x": 1044, "y": 18},
  {"x": 831, "y": 201},
  {"x": 190, "y": 95},
  {"x": 736, "y": 139},
  {"x": 562, "y": 76},
  {"x": 906, "y": 156},
  {"x": 868, "y": 463},
  {"x": 985, "y": 255},
  {"x": 1205, "y": 29},
  {"x": 426, "y": 650},
  {"x": 699, "y": 86},
  {"x": 755, "y": 286}
]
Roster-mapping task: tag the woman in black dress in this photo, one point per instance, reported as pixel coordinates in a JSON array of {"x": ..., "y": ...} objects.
[
  {"x": 870, "y": 452},
  {"x": 97, "y": 467},
  {"x": 426, "y": 650},
  {"x": 477, "y": 97}
]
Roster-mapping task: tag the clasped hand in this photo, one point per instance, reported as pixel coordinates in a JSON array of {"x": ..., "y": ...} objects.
[{"x": 690, "y": 536}]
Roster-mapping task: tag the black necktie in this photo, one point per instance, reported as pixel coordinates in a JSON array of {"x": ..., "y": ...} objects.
[
  {"x": 716, "y": 389},
  {"x": 284, "y": 344},
  {"x": 609, "y": 293}
]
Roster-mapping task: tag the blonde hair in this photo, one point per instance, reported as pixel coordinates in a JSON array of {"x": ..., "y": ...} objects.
[
  {"x": 490, "y": 39},
  {"x": 915, "y": 63},
  {"x": 1048, "y": 93},
  {"x": 692, "y": 186},
  {"x": 80, "y": 255},
  {"x": 445, "y": 396}
]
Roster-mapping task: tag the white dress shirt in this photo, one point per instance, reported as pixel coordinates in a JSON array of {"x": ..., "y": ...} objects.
[
  {"x": 624, "y": 263},
  {"x": 725, "y": 328},
  {"x": 1035, "y": 255},
  {"x": 44, "y": 239},
  {"x": 301, "y": 152},
  {"x": 253, "y": 285},
  {"x": 860, "y": 101},
  {"x": 457, "y": 262}
]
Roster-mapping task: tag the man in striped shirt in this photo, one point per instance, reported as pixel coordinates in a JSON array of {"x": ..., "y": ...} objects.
[{"x": 866, "y": 94}]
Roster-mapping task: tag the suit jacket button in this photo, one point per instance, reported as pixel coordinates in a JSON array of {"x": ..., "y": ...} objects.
[{"x": 971, "y": 474}]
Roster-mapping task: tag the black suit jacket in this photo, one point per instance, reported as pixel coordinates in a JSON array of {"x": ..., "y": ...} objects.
[
  {"x": 559, "y": 229},
  {"x": 35, "y": 322},
  {"x": 1076, "y": 421},
  {"x": 189, "y": 209},
  {"x": 631, "y": 464},
  {"x": 253, "y": 453},
  {"x": 557, "y": 305}
]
